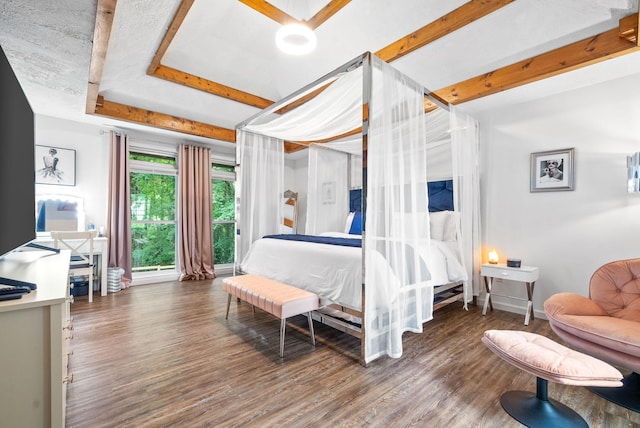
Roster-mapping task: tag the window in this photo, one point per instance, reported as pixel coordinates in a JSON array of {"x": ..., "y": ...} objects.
[
  {"x": 224, "y": 216},
  {"x": 153, "y": 212}
]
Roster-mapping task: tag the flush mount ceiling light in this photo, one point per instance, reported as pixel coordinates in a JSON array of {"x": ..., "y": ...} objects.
[{"x": 295, "y": 39}]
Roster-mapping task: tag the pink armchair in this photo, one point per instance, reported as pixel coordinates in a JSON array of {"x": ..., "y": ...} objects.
[{"x": 606, "y": 325}]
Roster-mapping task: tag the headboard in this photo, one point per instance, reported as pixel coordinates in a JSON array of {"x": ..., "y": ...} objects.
[
  {"x": 440, "y": 196},
  {"x": 355, "y": 200}
]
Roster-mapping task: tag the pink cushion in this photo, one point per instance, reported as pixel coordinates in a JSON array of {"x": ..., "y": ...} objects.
[
  {"x": 585, "y": 319},
  {"x": 278, "y": 299},
  {"x": 544, "y": 358},
  {"x": 615, "y": 287}
]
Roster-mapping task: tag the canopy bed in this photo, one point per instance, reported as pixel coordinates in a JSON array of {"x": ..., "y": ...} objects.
[{"x": 380, "y": 276}]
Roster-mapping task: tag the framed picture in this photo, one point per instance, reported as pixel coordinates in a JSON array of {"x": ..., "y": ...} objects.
[
  {"x": 552, "y": 171},
  {"x": 329, "y": 193},
  {"x": 55, "y": 166}
]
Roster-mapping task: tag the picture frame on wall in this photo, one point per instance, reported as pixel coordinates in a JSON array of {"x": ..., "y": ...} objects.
[
  {"x": 55, "y": 165},
  {"x": 552, "y": 170},
  {"x": 329, "y": 193}
]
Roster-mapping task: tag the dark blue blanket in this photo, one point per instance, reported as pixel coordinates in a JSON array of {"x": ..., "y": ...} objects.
[{"x": 345, "y": 242}]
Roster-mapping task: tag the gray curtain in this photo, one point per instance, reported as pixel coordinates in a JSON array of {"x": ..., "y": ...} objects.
[
  {"x": 119, "y": 216},
  {"x": 194, "y": 213}
]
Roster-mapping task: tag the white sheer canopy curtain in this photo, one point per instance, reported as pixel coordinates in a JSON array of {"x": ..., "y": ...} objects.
[
  {"x": 328, "y": 191},
  {"x": 438, "y": 125},
  {"x": 466, "y": 190},
  {"x": 396, "y": 232},
  {"x": 260, "y": 188}
]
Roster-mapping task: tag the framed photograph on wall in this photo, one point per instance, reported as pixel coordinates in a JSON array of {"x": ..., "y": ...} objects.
[
  {"x": 552, "y": 170},
  {"x": 329, "y": 193},
  {"x": 55, "y": 166}
]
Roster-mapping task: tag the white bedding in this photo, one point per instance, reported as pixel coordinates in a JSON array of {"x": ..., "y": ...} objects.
[
  {"x": 334, "y": 272},
  {"x": 331, "y": 271}
]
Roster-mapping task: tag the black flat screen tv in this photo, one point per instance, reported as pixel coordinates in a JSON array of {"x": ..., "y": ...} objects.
[{"x": 17, "y": 171}]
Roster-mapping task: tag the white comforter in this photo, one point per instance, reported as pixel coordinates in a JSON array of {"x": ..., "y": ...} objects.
[{"x": 334, "y": 272}]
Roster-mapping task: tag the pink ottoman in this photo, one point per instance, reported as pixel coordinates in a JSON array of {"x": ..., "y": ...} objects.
[
  {"x": 280, "y": 300},
  {"x": 548, "y": 361}
]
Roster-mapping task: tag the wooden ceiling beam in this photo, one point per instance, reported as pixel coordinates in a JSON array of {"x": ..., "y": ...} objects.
[
  {"x": 291, "y": 147},
  {"x": 326, "y": 12},
  {"x": 629, "y": 28},
  {"x": 270, "y": 11},
  {"x": 595, "y": 49},
  {"x": 452, "y": 21},
  {"x": 164, "y": 121},
  {"x": 176, "y": 22},
  {"x": 195, "y": 82},
  {"x": 576, "y": 55},
  {"x": 294, "y": 146},
  {"x": 101, "y": 35},
  {"x": 156, "y": 69},
  {"x": 281, "y": 17}
]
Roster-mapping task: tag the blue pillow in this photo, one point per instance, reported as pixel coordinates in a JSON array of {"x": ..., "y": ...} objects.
[{"x": 356, "y": 224}]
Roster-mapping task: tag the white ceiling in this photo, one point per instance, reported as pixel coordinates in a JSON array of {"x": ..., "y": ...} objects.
[{"x": 49, "y": 45}]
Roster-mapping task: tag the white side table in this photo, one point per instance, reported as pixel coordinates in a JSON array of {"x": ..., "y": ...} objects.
[{"x": 526, "y": 274}]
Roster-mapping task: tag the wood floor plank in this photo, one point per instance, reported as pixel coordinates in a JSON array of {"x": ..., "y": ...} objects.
[{"x": 163, "y": 355}]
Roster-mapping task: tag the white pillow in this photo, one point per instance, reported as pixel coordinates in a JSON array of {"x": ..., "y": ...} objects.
[
  {"x": 438, "y": 224},
  {"x": 347, "y": 226},
  {"x": 451, "y": 227},
  {"x": 443, "y": 225}
]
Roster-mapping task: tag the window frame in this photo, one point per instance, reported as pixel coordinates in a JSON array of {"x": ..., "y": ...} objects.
[
  {"x": 230, "y": 176},
  {"x": 147, "y": 167}
]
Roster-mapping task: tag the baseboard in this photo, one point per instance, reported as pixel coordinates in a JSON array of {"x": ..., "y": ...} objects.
[{"x": 513, "y": 308}]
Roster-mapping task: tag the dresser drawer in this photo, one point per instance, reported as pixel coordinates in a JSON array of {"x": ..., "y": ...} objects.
[{"x": 524, "y": 273}]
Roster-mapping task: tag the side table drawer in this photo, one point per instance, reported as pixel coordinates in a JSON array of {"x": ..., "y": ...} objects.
[{"x": 524, "y": 273}]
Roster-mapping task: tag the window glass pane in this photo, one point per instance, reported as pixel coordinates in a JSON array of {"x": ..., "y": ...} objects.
[
  {"x": 153, "y": 247},
  {"x": 224, "y": 193},
  {"x": 223, "y": 243},
  {"x": 225, "y": 168},
  {"x": 152, "y": 158},
  {"x": 153, "y": 197},
  {"x": 223, "y": 200},
  {"x": 153, "y": 213}
]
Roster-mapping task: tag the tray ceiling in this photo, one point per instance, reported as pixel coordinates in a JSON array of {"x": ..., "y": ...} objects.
[{"x": 230, "y": 43}]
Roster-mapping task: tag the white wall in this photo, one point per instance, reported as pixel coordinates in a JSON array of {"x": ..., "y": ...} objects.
[
  {"x": 92, "y": 157},
  {"x": 568, "y": 234}
]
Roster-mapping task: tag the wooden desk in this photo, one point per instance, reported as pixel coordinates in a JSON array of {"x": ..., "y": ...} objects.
[
  {"x": 100, "y": 248},
  {"x": 34, "y": 338}
]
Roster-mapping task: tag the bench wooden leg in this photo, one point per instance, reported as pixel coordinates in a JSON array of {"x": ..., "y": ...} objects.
[
  {"x": 283, "y": 325},
  {"x": 228, "y": 304},
  {"x": 313, "y": 337}
]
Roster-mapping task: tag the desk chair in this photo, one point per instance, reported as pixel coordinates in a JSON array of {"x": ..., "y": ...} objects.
[{"x": 81, "y": 260}]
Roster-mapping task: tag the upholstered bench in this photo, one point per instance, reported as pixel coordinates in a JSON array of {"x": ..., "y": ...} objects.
[
  {"x": 548, "y": 361},
  {"x": 276, "y": 298}
]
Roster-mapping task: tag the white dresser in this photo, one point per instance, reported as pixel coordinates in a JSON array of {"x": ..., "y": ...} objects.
[{"x": 34, "y": 342}]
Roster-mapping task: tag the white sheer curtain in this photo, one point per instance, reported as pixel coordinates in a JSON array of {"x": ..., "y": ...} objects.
[
  {"x": 335, "y": 111},
  {"x": 260, "y": 188},
  {"x": 396, "y": 229},
  {"x": 353, "y": 146},
  {"x": 438, "y": 145},
  {"x": 396, "y": 238},
  {"x": 328, "y": 191},
  {"x": 466, "y": 190}
]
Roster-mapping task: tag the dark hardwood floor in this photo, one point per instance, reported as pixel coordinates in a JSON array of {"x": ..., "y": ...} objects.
[{"x": 163, "y": 355}]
